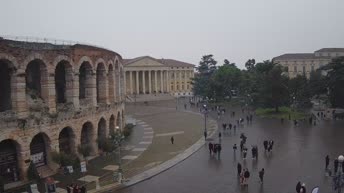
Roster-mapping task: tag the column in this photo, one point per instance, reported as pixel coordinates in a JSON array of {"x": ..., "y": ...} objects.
[
  {"x": 143, "y": 82},
  {"x": 137, "y": 82},
  {"x": 180, "y": 80},
  {"x": 150, "y": 82},
  {"x": 185, "y": 81},
  {"x": 161, "y": 82},
  {"x": 131, "y": 82},
  {"x": 156, "y": 81},
  {"x": 167, "y": 82},
  {"x": 175, "y": 81}
]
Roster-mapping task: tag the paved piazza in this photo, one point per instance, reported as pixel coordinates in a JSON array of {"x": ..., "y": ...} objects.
[{"x": 298, "y": 155}]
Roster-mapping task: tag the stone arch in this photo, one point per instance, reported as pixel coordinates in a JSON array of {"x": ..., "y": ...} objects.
[
  {"x": 102, "y": 62},
  {"x": 101, "y": 83},
  {"x": 111, "y": 83},
  {"x": 39, "y": 149},
  {"x": 88, "y": 137},
  {"x": 64, "y": 81},
  {"x": 37, "y": 80},
  {"x": 102, "y": 133},
  {"x": 112, "y": 125},
  {"x": 6, "y": 83},
  {"x": 85, "y": 80},
  {"x": 83, "y": 60},
  {"x": 9, "y": 160},
  {"x": 67, "y": 140}
]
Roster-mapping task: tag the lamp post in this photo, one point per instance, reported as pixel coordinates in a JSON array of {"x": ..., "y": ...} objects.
[
  {"x": 205, "y": 112},
  {"x": 338, "y": 177},
  {"x": 117, "y": 140}
]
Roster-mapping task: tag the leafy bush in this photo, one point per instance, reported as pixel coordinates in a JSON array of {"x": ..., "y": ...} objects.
[
  {"x": 64, "y": 159},
  {"x": 84, "y": 150},
  {"x": 32, "y": 173}
]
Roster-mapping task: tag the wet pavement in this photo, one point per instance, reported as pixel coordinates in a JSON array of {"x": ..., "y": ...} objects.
[{"x": 298, "y": 155}]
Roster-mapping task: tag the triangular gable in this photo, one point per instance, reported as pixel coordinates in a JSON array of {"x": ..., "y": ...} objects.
[{"x": 145, "y": 61}]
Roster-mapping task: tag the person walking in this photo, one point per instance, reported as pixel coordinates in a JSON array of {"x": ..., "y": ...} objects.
[
  {"x": 210, "y": 148},
  {"x": 327, "y": 162},
  {"x": 298, "y": 187},
  {"x": 335, "y": 164},
  {"x": 261, "y": 175},
  {"x": 172, "y": 140},
  {"x": 239, "y": 168},
  {"x": 244, "y": 152},
  {"x": 219, "y": 148},
  {"x": 246, "y": 176},
  {"x": 265, "y": 143},
  {"x": 235, "y": 147},
  {"x": 303, "y": 188}
]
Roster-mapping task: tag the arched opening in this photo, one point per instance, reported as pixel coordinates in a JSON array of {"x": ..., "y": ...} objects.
[
  {"x": 66, "y": 141},
  {"x": 63, "y": 82},
  {"x": 85, "y": 80},
  {"x": 87, "y": 136},
  {"x": 112, "y": 125},
  {"x": 39, "y": 147},
  {"x": 101, "y": 131},
  {"x": 9, "y": 168},
  {"x": 37, "y": 80},
  {"x": 6, "y": 69},
  {"x": 118, "y": 121},
  {"x": 111, "y": 84},
  {"x": 101, "y": 83}
]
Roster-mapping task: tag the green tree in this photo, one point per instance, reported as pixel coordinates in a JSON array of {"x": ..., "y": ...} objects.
[
  {"x": 250, "y": 64},
  {"x": 335, "y": 81},
  {"x": 299, "y": 90},
  {"x": 271, "y": 85},
  {"x": 202, "y": 81},
  {"x": 226, "y": 78}
]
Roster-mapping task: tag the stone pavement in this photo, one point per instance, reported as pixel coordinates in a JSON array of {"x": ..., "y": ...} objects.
[{"x": 298, "y": 155}]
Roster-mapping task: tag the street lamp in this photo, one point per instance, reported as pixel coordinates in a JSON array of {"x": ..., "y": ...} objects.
[
  {"x": 338, "y": 177},
  {"x": 118, "y": 137},
  {"x": 205, "y": 112}
]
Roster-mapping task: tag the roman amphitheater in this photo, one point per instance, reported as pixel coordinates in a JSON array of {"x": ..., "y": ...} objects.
[{"x": 55, "y": 98}]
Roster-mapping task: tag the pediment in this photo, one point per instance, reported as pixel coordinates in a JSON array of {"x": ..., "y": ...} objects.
[{"x": 146, "y": 61}]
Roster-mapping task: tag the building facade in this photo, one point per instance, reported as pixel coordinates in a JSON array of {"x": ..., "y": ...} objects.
[
  {"x": 55, "y": 98},
  {"x": 305, "y": 63},
  {"x": 147, "y": 75}
]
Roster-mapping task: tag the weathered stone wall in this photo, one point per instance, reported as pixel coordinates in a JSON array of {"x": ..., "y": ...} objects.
[{"x": 24, "y": 120}]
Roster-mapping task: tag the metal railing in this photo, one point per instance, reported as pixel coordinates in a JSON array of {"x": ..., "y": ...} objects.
[{"x": 32, "y": 39}]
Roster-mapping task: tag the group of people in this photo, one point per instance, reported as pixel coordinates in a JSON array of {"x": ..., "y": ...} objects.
[
  {"x": 74, "y": 188},
  {"x": 268, "y": 145},
  {"x": 244, "y": 175},
  {"x": 300, "y": 188},
  {"x": 335, "y": 165},
  {"x": 215, "y": 149}
]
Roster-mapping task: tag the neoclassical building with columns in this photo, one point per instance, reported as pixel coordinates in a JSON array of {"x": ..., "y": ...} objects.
[
  {"x": 146, "y": 75},
  {"x": 55, "y": 97}
]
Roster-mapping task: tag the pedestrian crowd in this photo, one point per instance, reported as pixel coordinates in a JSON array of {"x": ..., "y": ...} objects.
[{"x": 75, "y": 188}]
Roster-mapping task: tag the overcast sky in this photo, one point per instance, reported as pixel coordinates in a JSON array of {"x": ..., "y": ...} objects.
[{"x": 183, "y": 29}]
